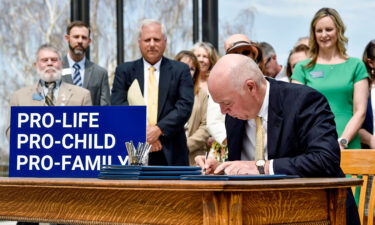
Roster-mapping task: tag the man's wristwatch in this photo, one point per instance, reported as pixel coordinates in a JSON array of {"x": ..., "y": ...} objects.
[
  {"x": 343, "y": 142},
  {"x": 260, "y": 165}
]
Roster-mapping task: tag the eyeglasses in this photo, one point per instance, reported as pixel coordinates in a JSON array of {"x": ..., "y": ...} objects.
[
  {"x": 247, "y": 53},
  {"x": 244, "y": 48},
  {"x": 244, "y": 52}
]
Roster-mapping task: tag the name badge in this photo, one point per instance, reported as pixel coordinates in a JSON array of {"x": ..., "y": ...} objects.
[
  {"x": 317, "y": 74},
  {"x": 37, "y": 97},
  {"x": 66, "y": 71}
]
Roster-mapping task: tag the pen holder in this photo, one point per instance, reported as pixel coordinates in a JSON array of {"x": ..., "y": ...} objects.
[
  {"x": 138, "y": 156},
  {"x": 138, "y": 160}
]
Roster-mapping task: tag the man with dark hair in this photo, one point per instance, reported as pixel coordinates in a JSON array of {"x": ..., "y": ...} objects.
[
  {"x": 79, "y": 70},
  {"x": 168, "y": 92}
]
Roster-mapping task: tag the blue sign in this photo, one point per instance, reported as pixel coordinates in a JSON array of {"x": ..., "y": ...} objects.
[{"x": 72, "y": 141}]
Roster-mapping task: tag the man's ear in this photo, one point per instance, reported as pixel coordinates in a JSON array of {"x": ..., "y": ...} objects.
[{"x": 251, "y": 86}]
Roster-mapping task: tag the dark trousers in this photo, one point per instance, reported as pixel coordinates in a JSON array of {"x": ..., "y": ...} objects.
[
  {"x": 352, "y": 217},
  {"x": 157, "y": 159},
  {"x": 26, "y": 223}
]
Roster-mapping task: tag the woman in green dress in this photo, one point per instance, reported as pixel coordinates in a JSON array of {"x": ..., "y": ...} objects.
[{"x": 340, "y": 78}]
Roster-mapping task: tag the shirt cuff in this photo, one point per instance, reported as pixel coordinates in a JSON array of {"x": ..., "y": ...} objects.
[{"x": 270, "y": 169}]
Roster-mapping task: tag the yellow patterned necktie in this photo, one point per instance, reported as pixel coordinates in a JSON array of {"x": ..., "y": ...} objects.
[
  {"x": 152, "y": 98},
  {"x": 259, "y": 145},
  {"x": 49, "y": 99}
]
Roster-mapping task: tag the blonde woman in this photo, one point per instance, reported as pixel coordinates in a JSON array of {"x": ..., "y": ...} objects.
[
  {"x": 207, "y": 57},
  {"x": 196, "y": 130},
  {"x": 340, "y": 78}
]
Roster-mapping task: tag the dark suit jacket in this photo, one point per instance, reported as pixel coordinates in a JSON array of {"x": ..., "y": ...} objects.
[
  {"x": 95, "y": 80},
  {"x": 302, "y": 138},
  {"x": 368, "y": 123},
  {"x": 176, "y": 98}
]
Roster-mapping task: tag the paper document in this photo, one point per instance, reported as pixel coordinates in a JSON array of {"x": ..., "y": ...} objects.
[{"x": 135, "y": 95}]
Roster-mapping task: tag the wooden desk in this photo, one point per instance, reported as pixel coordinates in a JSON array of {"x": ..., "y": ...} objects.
[{"x": 94, "y": 201}]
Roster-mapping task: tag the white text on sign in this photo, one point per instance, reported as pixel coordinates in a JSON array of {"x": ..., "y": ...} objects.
[
  {"x": 47, "y": 120},
  {"x": 68, "y": 141}
]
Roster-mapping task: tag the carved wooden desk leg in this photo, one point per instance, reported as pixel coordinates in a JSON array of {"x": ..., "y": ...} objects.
[
  {"x": 222, "y": 208},
  {"x": 337, "y": 207}
]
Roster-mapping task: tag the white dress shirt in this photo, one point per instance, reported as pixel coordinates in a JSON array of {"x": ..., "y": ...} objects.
[
  {"x": 282, "y": 75},
  {"x": 55, "y": 90},
  {"x": 215, "y": 121},
  {"x": 250, "y": 130}
]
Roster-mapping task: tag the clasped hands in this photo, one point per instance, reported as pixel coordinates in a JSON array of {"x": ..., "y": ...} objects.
[
  {"x": 212, "y": 166},
  {"x": 153, "y": 133}
]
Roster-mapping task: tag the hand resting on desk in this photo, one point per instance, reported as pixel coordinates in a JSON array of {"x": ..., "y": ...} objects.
[{"x": 212, "y": 166}]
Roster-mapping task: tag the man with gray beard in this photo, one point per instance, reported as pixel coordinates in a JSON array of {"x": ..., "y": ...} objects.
[{"x": 50, "y": 90}]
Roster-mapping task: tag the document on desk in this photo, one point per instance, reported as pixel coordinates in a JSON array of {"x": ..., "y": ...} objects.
[
  {"x": 237, "y": 177},
  {"x": 147, "y": 172}
]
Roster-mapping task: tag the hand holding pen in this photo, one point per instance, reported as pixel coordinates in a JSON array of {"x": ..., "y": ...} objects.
[
  {"x": 205, "y": 160},
  {"x": 207, "y": 163}
]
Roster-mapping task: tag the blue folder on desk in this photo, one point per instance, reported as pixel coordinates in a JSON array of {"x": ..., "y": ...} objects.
[
  {"x": 152, "y": 168},
  {"x": 152, "y": 173},
  {"x": 236, "y": 177},
  {"x": 204, "y": 177},
  {"x": 136, "y": 177},
  {"x": 120, "y": 172},
  {"x": 147, "y": 172}
]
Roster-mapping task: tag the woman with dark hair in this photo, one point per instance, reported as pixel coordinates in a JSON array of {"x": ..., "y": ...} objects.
[
  {"x": 367, "y": 130},
  {"x": 196, "y": 131},
  {"x": 296, "y": 55},
  {"x": 340, "y": 78}
]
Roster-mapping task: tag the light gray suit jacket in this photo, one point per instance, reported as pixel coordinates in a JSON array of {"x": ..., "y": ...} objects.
[
  {"x": 95, "y": 80},
  {"x": 69, "y": 95}
]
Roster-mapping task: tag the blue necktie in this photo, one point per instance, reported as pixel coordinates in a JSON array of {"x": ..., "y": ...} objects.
[{"x": 77, "y": 75}]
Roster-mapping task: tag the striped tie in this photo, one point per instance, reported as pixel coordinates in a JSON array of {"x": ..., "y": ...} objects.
[
  {"x": 77, "y": 80},
  {"x": 49, "y": 97}
]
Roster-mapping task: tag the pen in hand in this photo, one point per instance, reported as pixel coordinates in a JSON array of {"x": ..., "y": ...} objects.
[{"x": 205, "y": 160}]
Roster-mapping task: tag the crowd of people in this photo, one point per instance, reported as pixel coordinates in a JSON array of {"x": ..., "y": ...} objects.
[{"x": 242, "y": 113}]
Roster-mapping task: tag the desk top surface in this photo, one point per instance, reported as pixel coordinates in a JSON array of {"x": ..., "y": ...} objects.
[{"x": 182, "y": 185}]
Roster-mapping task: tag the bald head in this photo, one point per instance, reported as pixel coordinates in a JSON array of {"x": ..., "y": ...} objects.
[
  {"x": 236, "y": 83},
  {"x": 233, "y": 39},
  {"x": 235, "y": 69}
]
